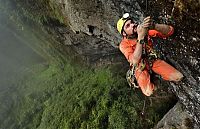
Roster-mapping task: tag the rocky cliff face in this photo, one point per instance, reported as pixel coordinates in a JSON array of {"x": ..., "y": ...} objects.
[
  {"x": 98, "y": 18},
  {"x": 186, "y": 55},
  {"x": 176, "y": 118},
  {"x": 92, "y": 33}
]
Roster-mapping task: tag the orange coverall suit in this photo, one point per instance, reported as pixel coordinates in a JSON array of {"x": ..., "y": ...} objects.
[{"x": 127, "y": 47}]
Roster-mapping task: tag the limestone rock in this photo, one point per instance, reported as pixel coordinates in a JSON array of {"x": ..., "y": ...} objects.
[{"x": 176, "y": 118}]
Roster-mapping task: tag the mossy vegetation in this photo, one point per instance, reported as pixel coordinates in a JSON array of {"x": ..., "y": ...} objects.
[
  {"x": 59, "y": 94},
  {"x": 42, "y": 11},
  {"x": 73, "y": 97}
]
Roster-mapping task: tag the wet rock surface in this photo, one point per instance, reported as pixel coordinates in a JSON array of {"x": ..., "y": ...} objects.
[
  {"x": 176, "y": 118},
  {"x": 91, "y": 34},
  {"x": 98, "y": 19},
  {"x": 88, "y": 49},
  {"x": 185, "y": 55}
]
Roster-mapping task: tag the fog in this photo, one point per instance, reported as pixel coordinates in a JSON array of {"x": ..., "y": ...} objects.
[{"x": 16, "y": 58}]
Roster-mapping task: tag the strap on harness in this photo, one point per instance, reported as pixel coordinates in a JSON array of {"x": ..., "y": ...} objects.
[
  {"x": 130, "y": 77},
  {"x": 147, "y": 57}
]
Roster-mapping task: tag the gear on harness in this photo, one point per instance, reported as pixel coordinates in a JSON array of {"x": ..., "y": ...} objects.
[
  {"x": 148, "y": 56},
  {"x": 151, "y": 54},
  {"x": 130, "y": 77}
]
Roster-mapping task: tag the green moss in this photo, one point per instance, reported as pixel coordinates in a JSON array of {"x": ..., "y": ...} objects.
[
  {"x": 60, "y": 95},
  {"x": 54, "y": 98},
  {"x": 74, "y": 97},
  {"x": 42, "y": 11}
]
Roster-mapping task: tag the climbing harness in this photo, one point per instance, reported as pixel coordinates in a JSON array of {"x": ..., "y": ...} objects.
[
  {"x": 149, "y": 54},
  {"x": 148, "y": 57},
  {"x": 130, "y": 77}
]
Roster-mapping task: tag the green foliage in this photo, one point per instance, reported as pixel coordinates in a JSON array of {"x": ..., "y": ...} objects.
[
  {"x": 41, "y": 11},
  {"x": 76, "y": 97},
  {"x": 62, "y": 96}
]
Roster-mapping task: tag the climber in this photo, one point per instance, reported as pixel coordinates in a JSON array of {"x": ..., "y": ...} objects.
[{"x": 137, "y": 47}]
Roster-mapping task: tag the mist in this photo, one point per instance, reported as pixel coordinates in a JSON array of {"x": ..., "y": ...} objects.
[{"x": 16, "y": 57}]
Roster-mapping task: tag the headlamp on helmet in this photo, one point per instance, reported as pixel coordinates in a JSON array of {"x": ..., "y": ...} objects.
[
  {"x": 122, "y": 21},
  {"x": 125, "y": 16}
]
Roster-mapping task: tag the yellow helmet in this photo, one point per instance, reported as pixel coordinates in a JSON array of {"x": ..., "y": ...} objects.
[{"x": 121, "y": 22}]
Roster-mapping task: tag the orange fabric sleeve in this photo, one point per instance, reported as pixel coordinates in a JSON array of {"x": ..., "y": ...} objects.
[
  {"x": 155, "y": 33},
  {"x": 127, "y": 49}
]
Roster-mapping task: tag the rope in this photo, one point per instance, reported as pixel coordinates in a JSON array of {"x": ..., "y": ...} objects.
[
  {"x": 144, "y": 105},
  {"x": 146, "y": 6}
]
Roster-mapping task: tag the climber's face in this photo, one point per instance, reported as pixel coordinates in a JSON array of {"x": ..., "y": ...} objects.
[{"x": 130, "y": 27}]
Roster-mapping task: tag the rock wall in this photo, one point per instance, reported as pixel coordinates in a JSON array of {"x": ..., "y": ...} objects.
[
  {"x": 98, "y": 18},
  {"x": 92, "y": 33},
  {"x": 176, "y": 118}
]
